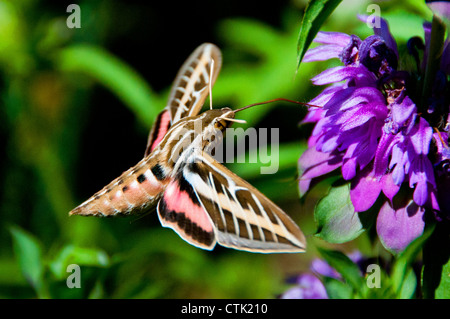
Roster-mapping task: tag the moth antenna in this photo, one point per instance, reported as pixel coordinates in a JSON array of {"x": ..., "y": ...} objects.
[
  {"x": 235, "y": 120},
  {"x": 210, "y": 84},
  {"x": 274, "y": 100}
]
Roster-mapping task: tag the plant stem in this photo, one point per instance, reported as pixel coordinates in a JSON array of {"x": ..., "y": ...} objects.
[{"x": 435, "y": 49}]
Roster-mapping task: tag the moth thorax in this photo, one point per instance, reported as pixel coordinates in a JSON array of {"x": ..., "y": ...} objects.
[{"x": 212, "y": 139}]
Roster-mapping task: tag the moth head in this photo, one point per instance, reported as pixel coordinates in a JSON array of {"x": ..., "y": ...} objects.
[
  {"x": 219, "y": 120},
  {"x": 225, "y": 120}
]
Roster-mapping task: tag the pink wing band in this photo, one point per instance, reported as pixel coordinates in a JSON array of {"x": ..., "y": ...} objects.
[
  {"x": 180, "y": 201},
  {"x": 163, "y": 128}
]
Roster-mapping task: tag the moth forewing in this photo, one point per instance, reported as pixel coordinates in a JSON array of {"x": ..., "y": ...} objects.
[{"x": 189, "y": 90}]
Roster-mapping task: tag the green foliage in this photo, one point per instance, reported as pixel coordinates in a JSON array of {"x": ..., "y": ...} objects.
[
  {"x": 344, "y": 266},
  {"x": 436, "y": 259},
  {"x": 400, "y": 283},
  {"x": 28, "y": 252},
  {"x": 315, "y": 15},
  {"x": 443, "y": 290},
  {"x": 336, "y": 218},
  {"x": 46, "y": 272},
  {"x": 114, "y": 74}
]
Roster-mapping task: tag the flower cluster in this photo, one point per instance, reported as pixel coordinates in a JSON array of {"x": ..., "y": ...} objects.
[{"x": 374, "y": 123}]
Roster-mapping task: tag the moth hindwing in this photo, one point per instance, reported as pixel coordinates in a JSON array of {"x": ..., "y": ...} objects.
[{"x": 195, "y": 195}]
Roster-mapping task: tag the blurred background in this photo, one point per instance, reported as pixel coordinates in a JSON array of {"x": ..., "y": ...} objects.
[{"x": 75, "y": 110}]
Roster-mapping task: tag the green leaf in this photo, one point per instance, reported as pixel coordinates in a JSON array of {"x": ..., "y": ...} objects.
[
  {"x": 336, "y": 218},
  {"x": 315, "y": 15},
  {"x": 114, "y": 74},
  {"x": 436, "y": 263},
  {"x": 77, "y": 255},
  {"x": 406, "y": 258},
  {"x": 409, "y": 285},
  {"x": 28, "y": 251},
  {"x": 443, "y": 290},
  {"x": 97, "y": 291},
  {"x": 253, "y": 50},
  {"x": 435, "y": 49},
  {"x": 337, "y": 289},
  {"x": 342, "y": 264}
]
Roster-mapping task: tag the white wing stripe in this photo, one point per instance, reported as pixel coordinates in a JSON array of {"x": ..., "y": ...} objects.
[
  {"x": 247, "y": 225},
  {"x": 211, "y": 184},
  {"x": 261, "y": 233}
]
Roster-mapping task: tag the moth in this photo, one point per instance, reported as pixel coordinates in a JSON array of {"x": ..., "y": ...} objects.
[{"x": 195, "y": 195}]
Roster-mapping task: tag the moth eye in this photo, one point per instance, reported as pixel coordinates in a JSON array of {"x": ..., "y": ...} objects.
[{"x": 219, "y": 125}]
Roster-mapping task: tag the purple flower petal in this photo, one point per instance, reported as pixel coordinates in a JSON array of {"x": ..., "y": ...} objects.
[
  {"x": 318, "y": 129},
  {"x": 360, "y": 75},
  {"x": 377, "y": 56},
  {"x": 322, "y": 53},
  {"x": 321, "y": 267},
  {"x": 349, "y": 169},
  {"x": 421, "y": 193},
  {"x": 334, "y": 43},
  {"x": 353, "y": 97},
  {"x": 303, "y": 186},
  {"x": 356, "y": 257},
  {"x": 332, "y": 38},
  {"x": 326, "y": 95},
  {"x": 441, "y": 142},
  {"x": 342, "y": 100},
  {"x": 384, "y": 149},
  {"x": 313, "y": 163},
  {"x": 420, "y": 169},
  {"x": 308, "y": 287},
  {"x": 421, "y": 137},
  {"x": 397, "y": 228},
  {"x": 328, "y": 144},
  {"x": 382, "y": 31},
  {"x": 362, "y": 115},
  {"x": 365, "y": 190},
  {"x": 402, "y": 112},
  {"x": 440, "y": 8},
  {"x": 361, "y": 142},
  {"x": 314, "y": 115},
  {"x": 390, "y": 189},
  {"x": 349, "y": 55},
  {"x": 399, "y": 161}
]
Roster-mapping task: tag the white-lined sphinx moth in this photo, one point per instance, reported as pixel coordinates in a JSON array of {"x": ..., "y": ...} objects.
[{"x": 196, "y": 196}]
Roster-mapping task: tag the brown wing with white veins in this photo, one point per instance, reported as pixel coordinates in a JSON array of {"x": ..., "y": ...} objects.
[
  {"x": 243, "y": 217},
  {"x": 189, "y": 90}
]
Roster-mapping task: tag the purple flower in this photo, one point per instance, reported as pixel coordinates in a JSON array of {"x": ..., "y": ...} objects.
[
  {"x": 309, "y": 286},
  {"x": 321, "y": 267},
  {"x": 399, "y": 226},
  {"x": 372, "y": 123}
]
